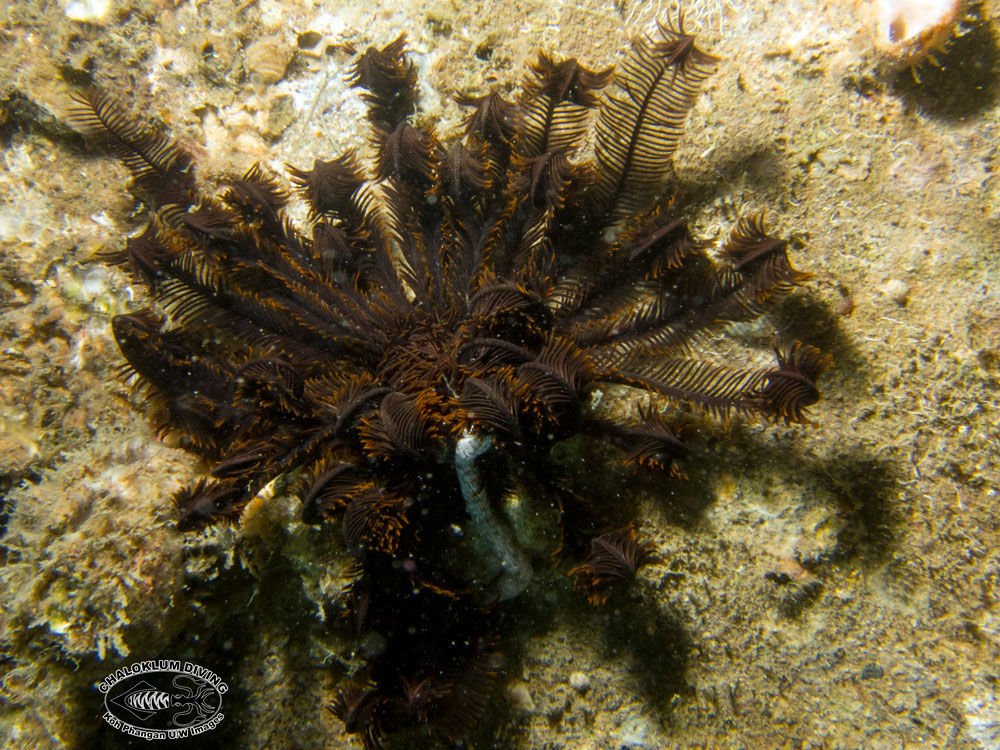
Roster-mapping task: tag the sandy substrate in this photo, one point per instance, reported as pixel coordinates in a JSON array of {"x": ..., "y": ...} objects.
[{"x": 826, "y": 586}]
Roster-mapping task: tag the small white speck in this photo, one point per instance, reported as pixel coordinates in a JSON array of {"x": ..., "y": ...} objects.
[
  {"x": 101, "y": 219},
  {"x": 87, "y": 11}
]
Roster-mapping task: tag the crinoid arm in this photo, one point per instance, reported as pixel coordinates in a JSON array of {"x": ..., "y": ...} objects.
[{"x": 613, "y": 560}]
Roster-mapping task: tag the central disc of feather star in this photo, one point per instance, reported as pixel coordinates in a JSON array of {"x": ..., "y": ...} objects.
[{"x": 446, "y": 322}]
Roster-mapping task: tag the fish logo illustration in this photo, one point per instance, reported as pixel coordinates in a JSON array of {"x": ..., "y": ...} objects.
[{"x": 165, "y": 699}]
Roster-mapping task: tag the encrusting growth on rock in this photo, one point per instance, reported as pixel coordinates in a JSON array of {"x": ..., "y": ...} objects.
[{"x": 441, "y": 325}]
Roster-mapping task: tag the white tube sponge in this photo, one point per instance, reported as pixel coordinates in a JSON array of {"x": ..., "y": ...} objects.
[{"x": 516, "y": 568}]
